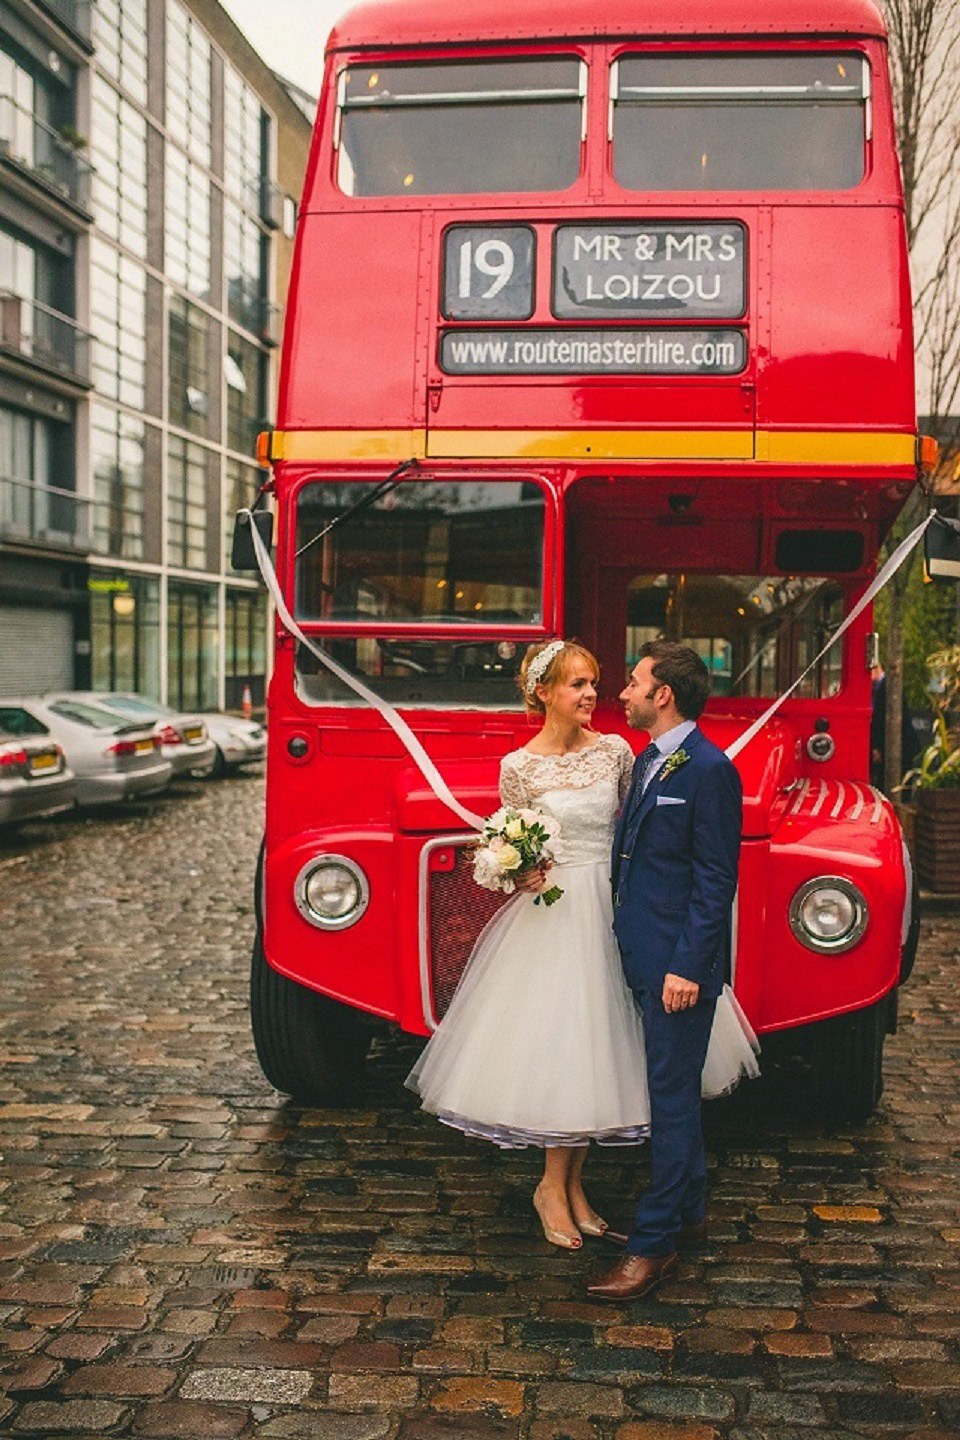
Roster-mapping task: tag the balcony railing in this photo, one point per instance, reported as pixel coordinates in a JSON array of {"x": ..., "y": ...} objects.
[
  {"x": 43, "y": 513},
  {"x": 50, "y": 158},
  {"x": 37, "y": 333},
  {"x": 75, "y": 14}
]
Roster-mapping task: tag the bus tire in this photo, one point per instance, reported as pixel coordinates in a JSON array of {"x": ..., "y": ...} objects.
[
  {"x": 848, "y": 1059},
  {"x": 309, "y": 1046}
]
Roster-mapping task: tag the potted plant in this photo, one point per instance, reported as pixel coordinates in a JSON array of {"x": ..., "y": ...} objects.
[{"x": 934, "y": 784}]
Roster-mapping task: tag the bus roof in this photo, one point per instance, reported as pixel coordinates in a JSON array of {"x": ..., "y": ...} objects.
[{"x": 380, "y": 23}]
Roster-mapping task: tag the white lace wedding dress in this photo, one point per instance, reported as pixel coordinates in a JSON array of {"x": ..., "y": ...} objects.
[{"x": 542, "y": 1043}]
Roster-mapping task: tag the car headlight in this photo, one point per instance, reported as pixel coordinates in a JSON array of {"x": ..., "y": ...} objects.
[
  {"x": 828, "y": 914},
  {"x": 331, "y": 892}
]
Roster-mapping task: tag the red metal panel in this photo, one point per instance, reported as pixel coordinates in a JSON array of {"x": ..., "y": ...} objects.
[
  {"x": 397, "y": 22},
  {"x": 840, "y": 332},
  {"x": 352, "y": 326}
]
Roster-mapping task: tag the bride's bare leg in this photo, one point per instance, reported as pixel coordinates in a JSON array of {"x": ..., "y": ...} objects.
[
  {"x": 550, "y": 1197},
  {"x": 582, "y": 1211}
]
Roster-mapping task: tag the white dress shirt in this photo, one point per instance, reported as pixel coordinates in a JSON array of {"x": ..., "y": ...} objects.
[{"x": 667, "y": 743}]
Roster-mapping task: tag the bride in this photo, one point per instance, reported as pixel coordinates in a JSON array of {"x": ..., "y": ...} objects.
[{"x": 542, "y": 1043}]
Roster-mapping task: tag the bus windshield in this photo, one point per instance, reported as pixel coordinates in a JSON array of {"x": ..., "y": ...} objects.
[
  {"x": 757, "y": 633},
  {"x": 740, "y": 122},
  {"x": 428, "y": 552},
  {"x": 465, "y": 127}
]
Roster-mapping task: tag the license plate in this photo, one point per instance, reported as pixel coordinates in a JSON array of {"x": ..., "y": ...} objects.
[
  {"x": 193, "y": 733},
  {"x": 141, "y": 745},
  {"x": 40, "y": 763}
]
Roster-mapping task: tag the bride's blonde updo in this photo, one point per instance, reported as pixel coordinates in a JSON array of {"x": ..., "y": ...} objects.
[{"x": 547, "y": 663}]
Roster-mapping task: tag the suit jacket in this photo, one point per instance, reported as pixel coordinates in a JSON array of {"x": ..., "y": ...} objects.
[{"x": 675, "y": 855}]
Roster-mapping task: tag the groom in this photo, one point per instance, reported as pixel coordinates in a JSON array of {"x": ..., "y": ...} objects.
[{"x": 675, "y": 856}]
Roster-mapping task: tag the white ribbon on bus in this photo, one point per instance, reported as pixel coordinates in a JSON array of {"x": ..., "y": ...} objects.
[{"x": 415, "y": 749}]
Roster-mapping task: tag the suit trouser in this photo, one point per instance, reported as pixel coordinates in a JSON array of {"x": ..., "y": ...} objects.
[{"x": 676, "y": 1049}]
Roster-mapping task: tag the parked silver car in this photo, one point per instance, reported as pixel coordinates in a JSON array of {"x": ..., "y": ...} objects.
[
  {"x": 239, "y": 742},
  {"x": 35, "y": 780},
  {"x": 183, "y": 738},
  {"x": 112, "y": 757}
]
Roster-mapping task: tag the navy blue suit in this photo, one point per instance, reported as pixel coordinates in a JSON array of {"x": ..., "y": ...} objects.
[{"x": 675, "y": 856}]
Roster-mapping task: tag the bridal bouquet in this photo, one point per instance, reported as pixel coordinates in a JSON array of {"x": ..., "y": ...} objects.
[{"x": 513, "y": 841}]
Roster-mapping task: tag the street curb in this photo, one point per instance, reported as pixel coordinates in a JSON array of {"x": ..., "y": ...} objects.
[{"x": 932, "y": 903}]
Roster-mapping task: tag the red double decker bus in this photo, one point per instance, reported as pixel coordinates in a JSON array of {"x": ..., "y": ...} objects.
[{"x": 627, "y": 287}]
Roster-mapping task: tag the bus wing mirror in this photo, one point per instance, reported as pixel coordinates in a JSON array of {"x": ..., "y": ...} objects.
[
  {"x": 941, "y": 548},
  {"x": 242, "y": 554}
]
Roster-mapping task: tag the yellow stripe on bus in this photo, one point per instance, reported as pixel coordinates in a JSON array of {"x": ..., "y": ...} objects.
[{"x": 772, "y": 447}]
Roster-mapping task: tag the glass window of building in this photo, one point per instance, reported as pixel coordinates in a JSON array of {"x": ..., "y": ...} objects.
[
  {"x": 119, "y": 157},
  {"x": 120, "y": 37},
  {"x": 21, "y": 99},
  {"x": 245, "y": 131},
  {"x": 189, "y": 376},
  {"x": 187, "y": 225},
  {"x": 245, "y": 661},
  {"x": 246, "y": 375},
  {"x": 241, "y": 484},
  {"x": 186, "y": 504},
  {"x": 191, "y": 646},
  {"x": 188, "y": 83},
  {"x": 117, "y": 457},
  {"x": 37, "y": 479},
  {"x": 245, "y": 266},
  {"x": 118, "y": 296},
  {"x": 125, "y": 633}
]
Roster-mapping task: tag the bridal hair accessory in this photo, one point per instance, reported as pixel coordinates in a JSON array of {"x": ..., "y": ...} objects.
[{"x": 541, "y": 664}]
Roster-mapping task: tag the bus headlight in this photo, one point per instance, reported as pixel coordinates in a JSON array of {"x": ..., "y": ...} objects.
[
  {"x": 828, "y": 914},
  {"x": 331, "y": 892}
]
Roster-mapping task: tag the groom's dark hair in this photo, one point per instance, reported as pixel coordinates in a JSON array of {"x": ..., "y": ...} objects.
[{"x": 683, "y": 670}]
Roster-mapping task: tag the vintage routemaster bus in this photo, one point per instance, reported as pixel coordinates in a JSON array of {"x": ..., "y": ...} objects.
[{"x": 627, "y": 284}]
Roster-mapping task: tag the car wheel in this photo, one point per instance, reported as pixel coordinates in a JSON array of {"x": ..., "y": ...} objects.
[{"x": 219, "y": 767}]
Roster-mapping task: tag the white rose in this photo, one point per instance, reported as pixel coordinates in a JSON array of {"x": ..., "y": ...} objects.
[
  {"x": 508, "y": 857},
  {"x": 486, "y": 871},
  {"x": 513, "y": 829}
]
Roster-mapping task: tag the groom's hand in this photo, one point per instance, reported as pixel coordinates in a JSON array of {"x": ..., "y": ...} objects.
[{"x": 678, "y": 994}]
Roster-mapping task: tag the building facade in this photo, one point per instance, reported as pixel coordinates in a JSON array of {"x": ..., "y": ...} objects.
[{"x": 149, "y": 162}]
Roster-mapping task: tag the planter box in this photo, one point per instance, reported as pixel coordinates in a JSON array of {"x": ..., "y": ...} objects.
[{"x": 938, "y": 839}]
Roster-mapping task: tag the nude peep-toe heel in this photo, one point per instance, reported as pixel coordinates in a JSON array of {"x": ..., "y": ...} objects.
[
  {"x": 594, "y": 1226},
  {"x": 556, "y": 1237}
]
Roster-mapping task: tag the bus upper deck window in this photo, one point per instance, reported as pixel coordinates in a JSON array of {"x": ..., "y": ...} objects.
[
  {"x": 740, "y": 122},
  {"x": 465, "y": 127}
]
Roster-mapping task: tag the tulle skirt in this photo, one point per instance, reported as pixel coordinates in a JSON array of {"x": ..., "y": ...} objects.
[{"x": 542, "y": 1043}]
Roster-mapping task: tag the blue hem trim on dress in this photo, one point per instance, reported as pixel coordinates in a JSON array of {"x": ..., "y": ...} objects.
[{"x": 509, "y": 1137}]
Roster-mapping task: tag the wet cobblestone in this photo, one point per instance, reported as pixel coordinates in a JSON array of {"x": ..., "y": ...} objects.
[{"x": 183, "y": 1254}]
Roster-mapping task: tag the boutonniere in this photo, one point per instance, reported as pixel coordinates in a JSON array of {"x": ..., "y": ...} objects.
[{"x": 673, "y": 762}]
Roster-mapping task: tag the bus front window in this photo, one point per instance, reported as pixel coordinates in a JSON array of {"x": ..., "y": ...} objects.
[
  {"x": 465, "y": 127},
  {"x": 740, "y": 122},
  {"x": 428, "y": 552},
  {"x": 757, "y": 633}
]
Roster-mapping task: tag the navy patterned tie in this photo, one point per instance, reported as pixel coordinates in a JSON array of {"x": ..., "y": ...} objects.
[{"x": 641, "y": 770}]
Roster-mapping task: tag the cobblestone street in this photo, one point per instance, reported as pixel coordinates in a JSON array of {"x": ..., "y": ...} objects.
[{"x": 182, "y": 1254}]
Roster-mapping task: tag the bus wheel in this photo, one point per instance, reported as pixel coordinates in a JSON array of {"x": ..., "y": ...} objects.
[
  {"x": 309, "y": 1046},
  {"x": 848, "y": 1061}
]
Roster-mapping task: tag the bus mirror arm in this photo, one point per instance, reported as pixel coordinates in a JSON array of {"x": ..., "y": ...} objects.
[{"x": 242, "y": 554}]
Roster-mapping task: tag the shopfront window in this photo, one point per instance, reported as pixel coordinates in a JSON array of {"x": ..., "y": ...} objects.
[
  {"x": 756, "y": 633},
  {"x": 191, "y": 647},
  {"x": 125, "y": 633}
]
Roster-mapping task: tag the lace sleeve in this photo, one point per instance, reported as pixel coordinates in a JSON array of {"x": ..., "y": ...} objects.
[
  {"x": 625, "y": 759},
  {"x": 512, "y": 789}
]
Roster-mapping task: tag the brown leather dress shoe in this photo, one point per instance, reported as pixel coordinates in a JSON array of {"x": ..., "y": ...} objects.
[{"x": 633, "y": 1276}]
